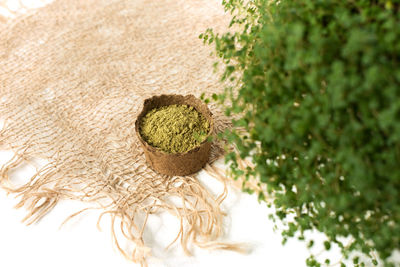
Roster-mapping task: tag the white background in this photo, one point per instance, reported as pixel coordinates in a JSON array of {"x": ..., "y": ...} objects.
[{"x": 80, "y": 243}]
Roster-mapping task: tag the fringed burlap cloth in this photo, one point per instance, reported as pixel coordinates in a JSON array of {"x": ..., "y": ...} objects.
[{"x": 73, "y": 76}]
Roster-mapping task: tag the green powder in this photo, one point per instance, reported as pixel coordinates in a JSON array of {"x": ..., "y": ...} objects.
[{"x": 174, "y": 128}]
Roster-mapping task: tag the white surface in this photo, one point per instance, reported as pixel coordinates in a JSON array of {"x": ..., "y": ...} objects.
[{"x": 79, "y": 243}]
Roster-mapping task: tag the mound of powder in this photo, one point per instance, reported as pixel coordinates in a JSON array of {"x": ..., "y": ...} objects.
[{"x": 174, "y": 128}]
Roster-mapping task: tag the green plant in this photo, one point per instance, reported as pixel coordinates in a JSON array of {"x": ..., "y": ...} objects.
[{"x": 317, "y": 86}]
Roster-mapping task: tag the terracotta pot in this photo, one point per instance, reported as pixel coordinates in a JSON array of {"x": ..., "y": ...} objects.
[{"x": 178, "y": 164}]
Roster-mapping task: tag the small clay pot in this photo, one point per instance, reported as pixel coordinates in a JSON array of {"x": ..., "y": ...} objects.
[{"x": 178, "y": 164}]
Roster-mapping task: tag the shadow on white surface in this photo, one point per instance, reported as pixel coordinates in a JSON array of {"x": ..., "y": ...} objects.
[{"x": 79, "y": 243}]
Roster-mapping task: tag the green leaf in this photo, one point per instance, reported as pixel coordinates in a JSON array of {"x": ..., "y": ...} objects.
[{"x": 318, "y": 83}]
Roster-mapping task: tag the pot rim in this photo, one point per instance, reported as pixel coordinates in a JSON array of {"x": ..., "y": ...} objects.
[{"x": 185, "y": 97}]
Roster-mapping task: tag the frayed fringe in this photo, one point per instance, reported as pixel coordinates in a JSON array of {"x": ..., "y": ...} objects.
[
  {"x": 200, "y": 216},
  {"x": 81, "y": 120},
  {"x": 252, "y": 183}
]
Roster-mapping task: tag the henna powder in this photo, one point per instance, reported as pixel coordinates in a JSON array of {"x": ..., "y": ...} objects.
[{"x": 174, "y": 128}]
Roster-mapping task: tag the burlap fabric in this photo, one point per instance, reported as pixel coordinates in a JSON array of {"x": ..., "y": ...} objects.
[{"x": 73, "y": 77}]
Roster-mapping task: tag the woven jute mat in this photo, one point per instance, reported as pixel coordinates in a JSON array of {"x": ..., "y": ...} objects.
[{"x": 73, "y": 77}]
